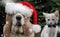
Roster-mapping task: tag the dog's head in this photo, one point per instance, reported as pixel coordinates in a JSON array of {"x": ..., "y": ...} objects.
[
  {"x": 18, "y": 19},
  {"x": 22, "y": 22},
  {"x": 51, "y": 18}
]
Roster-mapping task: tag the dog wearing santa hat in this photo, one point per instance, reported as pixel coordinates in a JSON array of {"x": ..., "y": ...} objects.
[{"x": 18, "y": 20}]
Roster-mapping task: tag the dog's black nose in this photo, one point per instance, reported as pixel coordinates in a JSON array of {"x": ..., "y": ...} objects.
[{"x": 18, "y": 17}]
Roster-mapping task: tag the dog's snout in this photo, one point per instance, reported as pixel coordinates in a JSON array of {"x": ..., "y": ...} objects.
[
  {"x": 50, "y": 22},
  {"x": 18, "y": 17}
]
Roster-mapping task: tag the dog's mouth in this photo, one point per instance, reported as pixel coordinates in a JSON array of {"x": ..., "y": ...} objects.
[
  {"x": 24, "y": 24},
  {"x": 25, "y": 30},
  {"x": 18, "y": 24}
]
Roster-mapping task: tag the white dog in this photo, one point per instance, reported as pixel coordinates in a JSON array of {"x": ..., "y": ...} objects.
[{"x": 51, "y": 28}]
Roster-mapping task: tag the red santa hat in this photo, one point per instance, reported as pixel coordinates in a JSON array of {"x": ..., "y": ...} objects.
[{"x": 27, "y": 10}]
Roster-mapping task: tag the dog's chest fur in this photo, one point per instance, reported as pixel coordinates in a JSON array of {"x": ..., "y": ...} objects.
[
  {"x": 49, "y": 31},
  {"x": 14, "y": 29},
  {"x": 20, "y": 35}
]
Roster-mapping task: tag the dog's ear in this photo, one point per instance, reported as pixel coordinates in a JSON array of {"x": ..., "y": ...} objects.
[
  {"x": 27, "y": 26},
  {"x": 7, "y": 26},
  {"x": 45, "y": 14},
  {"x": 27, "y": 18},
  {"x": 56, "y": 13}
]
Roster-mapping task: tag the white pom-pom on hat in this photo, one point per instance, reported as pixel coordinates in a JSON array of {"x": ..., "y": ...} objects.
[{"x": 36, "y": 28}]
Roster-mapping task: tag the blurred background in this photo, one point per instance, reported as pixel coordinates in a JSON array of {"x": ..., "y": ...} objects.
[{"x": 48, "y": 6}]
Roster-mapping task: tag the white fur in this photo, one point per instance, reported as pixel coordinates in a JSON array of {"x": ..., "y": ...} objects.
[
  {"x": 14, "y": 28},
  {"x": 46, "y": 30},
  {"x": 32, "y": 35},
  {"x": 50, "y": 31},
  {"x": 14, "y": 21},
  {"x": 51, "y": 16},
  {"x": 3, "y": 2},
  {"x": 14, "y": 8},
  {"x": 36, "y": 28}
]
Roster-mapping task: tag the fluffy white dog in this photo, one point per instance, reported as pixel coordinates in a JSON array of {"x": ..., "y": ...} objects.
[{"x": 51, "y": 28}]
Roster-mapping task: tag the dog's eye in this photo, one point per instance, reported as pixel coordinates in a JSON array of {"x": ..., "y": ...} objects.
[
  {"x": 53, "y": 19},
  {"x": 48, "y": 19}
]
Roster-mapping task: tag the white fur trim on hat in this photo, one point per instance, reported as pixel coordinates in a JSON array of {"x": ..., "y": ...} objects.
[
  {"x": 36, "y": 28},
  {"x": 9, "y": 8},
  {"x": 15, "y": 7}
]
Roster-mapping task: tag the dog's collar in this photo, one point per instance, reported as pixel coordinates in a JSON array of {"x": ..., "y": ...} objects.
[{"x": 54, "y": 25}]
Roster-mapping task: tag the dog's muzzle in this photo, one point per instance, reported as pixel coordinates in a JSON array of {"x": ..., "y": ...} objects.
[{"x": 18, "y": 18}]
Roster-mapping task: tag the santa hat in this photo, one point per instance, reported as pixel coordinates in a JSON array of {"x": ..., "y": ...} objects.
[{"x": 26, "y": 9}]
